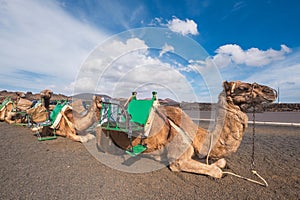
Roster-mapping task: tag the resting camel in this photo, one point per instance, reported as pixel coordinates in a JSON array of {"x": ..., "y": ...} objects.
[
  {"x": 69, "y": 122},
  {"x": 13, "y": 111},
  {"x": 174, "y": 135},
  {"x": 6, "y": 107},
  {"x": 40, "y": 112}
]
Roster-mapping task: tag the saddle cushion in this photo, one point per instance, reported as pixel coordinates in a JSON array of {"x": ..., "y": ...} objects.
[{"x": 55, "y": 115}]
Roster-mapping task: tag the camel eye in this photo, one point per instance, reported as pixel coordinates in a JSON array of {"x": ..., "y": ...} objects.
[{"x": 243, "y": 88}]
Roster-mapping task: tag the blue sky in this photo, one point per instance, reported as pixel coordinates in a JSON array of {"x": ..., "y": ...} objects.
[{"x": 45, "y": 44}]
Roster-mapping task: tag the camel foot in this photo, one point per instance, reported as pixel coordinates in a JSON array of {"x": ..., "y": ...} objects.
[
  {"x": 36, "y": 129},
  {"x": 215, "y": 172},
  {"x": 83, "y": 139},
  {"x": 221, "y": 163},
  {"x": 196, "y": 167},
  {"x": 86, "y": 137},
  {"x": 90, "y": 136}
]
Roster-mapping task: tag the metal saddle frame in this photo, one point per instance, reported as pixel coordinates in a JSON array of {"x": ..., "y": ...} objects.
[{"x": 129, "y": 119}]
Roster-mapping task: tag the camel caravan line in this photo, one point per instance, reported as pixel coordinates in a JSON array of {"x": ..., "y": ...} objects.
[{"x": 144, "y": 126}]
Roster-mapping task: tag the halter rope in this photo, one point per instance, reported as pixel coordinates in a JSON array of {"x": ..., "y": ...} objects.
[{"x": 253, "y": 148}]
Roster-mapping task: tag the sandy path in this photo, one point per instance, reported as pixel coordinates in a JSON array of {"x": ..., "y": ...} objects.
[{"x": 63, "y": 169}]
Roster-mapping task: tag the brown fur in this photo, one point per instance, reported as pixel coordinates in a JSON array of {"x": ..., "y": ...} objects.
[
  {"x": 185, "y": 139},
  {"x": 72, "y": 123},
  {"x": 46, "y": 96},
  {"x": 38, "y": 114},
  {"x": 7, "y": 109},
  {"x": 13, "y": 115}
]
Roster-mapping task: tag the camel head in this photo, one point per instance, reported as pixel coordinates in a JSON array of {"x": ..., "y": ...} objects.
[
  {"x": 46, "y": 94},
  {"x": 98, "y": 101},
  {"x": 246, "y": 95},
  {"x": 20, "y": 94}
]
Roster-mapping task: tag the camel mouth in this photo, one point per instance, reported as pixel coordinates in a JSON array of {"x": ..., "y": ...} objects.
[
  {"x": 272, "y": 97},
  {"x": 269, "y": 95}
]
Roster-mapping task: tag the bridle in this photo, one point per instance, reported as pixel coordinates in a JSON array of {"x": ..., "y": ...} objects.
[{"x": 252, "y": 165}]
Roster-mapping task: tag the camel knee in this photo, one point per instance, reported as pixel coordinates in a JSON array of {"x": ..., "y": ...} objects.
[{"x": 9, "y": 121}]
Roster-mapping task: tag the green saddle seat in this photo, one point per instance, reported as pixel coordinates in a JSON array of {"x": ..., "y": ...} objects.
[
  {"x": 139, "y": 110},
  {"x": 56, "y": 111}
]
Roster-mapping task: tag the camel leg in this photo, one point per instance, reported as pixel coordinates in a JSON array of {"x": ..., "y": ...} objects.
[
  {"x": 71, "y": 131},
  {"x": 187, "y": 164},
  {"x": 77, "y": 138},
  {"x": 2, "y": 114},
  {"x": 98, "y": 137},
  {"x": 9, "y": 117},
  {"x": 71, "y": 134}
]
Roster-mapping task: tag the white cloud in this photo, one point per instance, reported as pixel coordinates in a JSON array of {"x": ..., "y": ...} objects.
[
  {"x": 250, "y": 57},
  {"x": 126, "y": 67},
  {"x": 39, "y": 37},
  {"x": 166, "y": 48},
  {"x": 183, "y": 27},
  {"x": 279, "y": 68},
  {"x": 283, "y": 74}
]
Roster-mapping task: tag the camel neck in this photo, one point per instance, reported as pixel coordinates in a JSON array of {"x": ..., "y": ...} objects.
[
  {"x": 46, "y": 102},
  {"x": 230, "y": 124}
]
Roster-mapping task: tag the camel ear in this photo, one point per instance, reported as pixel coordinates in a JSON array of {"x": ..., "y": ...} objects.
[{"x": 226, "y": 86}]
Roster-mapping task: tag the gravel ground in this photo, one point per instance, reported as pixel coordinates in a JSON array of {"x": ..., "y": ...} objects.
[{"x": 63, "y": 169}]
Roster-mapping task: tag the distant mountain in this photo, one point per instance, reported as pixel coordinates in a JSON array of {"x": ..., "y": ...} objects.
[
  {"x": 169, "y": 102},
  {"x": 30, "y": 96},
  {"x": 88, "y": 96},
  {"x": 275, "y": 107}
]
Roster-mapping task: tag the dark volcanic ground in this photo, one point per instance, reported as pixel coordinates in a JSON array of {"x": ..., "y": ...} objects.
[{"x": 63, "y": 169}]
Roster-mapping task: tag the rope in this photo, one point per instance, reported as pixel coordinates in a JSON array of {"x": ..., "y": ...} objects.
[
  {"x": 248, "y": 179},
  {"x": 210, "y": 147},
  {"x": 252, "y": 157},
  {"x": 242, "y": 177},
  {"x": 253, "y": 133}
]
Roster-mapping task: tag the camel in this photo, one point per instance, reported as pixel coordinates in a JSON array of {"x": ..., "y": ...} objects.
[
  {"x": 6, "y": 107},
  {"x": 175, "y": 136},
  {"x": 69, "y": 122},
  {"x": 78, "y": 104},
  {"x": 16, "y": 113},
  {"x": 40, "y": 112}
]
